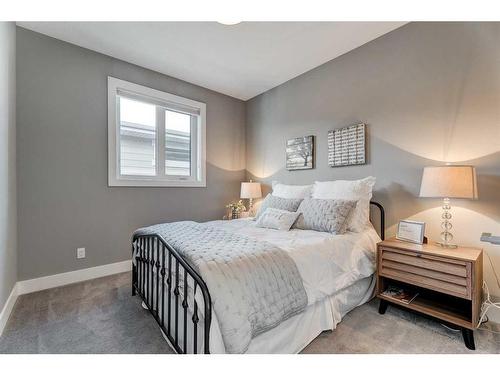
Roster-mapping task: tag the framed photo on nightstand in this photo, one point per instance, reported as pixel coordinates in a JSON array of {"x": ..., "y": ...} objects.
[{"x": 411, "y": 231}]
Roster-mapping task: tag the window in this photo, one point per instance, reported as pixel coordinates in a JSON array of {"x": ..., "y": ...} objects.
[{"x": 154, "y": 138}]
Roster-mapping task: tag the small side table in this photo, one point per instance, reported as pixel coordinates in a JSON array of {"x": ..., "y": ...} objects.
[{"x": 448, "y": 281}]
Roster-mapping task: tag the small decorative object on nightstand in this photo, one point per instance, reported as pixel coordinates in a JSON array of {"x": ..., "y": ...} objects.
[
  {"x": 447, "y": 282},
  {"x": 250, "y": 190},
  {"x": 449, "y": 181},
  {"x": 236, "y": 208},
  {"x": 411, "y": 231}
]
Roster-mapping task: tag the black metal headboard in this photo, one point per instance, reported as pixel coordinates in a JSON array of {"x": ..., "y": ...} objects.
[{"x": 382, "y": 218}]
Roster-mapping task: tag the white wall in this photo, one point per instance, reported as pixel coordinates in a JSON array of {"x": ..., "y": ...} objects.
[{"x": 8, "y": 217}]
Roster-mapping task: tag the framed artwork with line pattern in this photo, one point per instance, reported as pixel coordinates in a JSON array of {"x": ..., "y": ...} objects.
[{"x": 346, "y": 146}]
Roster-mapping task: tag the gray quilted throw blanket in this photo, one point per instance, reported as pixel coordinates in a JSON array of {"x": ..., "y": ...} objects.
[{"x": 254, "y": 285}]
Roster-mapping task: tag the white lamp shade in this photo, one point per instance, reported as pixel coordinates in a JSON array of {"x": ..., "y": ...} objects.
[
  {"x": 250, "y": 190},
  {"x": 449, "y": 181}
]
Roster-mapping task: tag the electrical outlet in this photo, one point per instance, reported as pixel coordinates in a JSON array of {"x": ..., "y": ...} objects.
[{"x": 80, "y": 253}]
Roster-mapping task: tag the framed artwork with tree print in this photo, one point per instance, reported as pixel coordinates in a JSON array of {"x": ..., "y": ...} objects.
[{"x": 300, "y": 153}]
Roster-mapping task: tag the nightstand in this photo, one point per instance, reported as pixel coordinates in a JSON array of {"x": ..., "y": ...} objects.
[{"x": 448, "y": 281}]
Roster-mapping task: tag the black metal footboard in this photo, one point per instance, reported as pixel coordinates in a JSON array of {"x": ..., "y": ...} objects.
[{"x": 163, "y": 279}]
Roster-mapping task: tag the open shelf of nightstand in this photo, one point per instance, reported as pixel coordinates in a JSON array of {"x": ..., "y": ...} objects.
[{"x": 438, "y": 305}]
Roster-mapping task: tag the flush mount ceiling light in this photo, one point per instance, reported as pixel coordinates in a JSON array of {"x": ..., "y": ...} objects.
[{"x": 229, "y": 22}]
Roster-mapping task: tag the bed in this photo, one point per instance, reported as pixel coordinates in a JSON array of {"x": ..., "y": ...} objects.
[{"x": 336, "y": 272}]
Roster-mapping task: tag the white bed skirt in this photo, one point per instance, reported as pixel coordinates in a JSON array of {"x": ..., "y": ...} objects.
[{"x": 297, "y": 332}]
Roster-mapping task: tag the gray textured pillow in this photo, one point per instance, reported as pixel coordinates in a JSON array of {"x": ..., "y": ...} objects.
[
  {"x": 274, "y": 218},
  {"x": 280, "y": 203},
  {"x": 324, "y": 215}
]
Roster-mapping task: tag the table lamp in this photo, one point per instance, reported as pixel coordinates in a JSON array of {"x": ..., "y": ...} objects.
[
  {"x": 250, "y": 190},
  {"x": 449, "y": 181}
]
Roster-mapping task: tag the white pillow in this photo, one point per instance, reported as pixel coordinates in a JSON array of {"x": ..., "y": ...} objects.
[
  {"x": 291, "y": 191},
  {"x": 358, "y": 190},
  {"x": 274, "y": 218}
]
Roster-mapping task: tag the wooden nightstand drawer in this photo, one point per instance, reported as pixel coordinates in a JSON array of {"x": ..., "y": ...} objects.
[
  {"x": 431, "y": 262},
  {"x": 443, "y": 274}
]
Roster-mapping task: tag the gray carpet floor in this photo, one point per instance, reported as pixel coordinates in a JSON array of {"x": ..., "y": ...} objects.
[{"x": 100, "y": 316}]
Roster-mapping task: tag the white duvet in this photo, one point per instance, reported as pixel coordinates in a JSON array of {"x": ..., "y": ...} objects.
[{"x": 327, "y": 263}]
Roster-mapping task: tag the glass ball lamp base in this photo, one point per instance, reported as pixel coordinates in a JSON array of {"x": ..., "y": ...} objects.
[
  {"x": 251, "y": 212},
  {"x": 446, "y": 236}
]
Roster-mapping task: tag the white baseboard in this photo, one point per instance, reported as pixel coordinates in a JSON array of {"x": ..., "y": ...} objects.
[
  {"x": 60, "y": 279},
  {"x": 7, "y": 308}
]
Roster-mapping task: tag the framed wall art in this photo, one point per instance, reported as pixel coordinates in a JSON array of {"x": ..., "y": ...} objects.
[
  {"x": 300, "y": 153},
  {"x": 346, "y": 146}
]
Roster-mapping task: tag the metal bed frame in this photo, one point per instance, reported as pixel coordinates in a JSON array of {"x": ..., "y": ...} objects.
[{"x": 152, "y": 269}]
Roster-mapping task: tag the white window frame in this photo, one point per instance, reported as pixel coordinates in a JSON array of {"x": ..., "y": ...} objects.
[{"x": 168, "y": 101}]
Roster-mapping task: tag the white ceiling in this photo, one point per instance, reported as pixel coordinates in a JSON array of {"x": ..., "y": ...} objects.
[{"x": 242, "y": 60}]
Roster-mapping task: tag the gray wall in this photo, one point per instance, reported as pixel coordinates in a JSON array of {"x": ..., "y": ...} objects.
[
  {"x": 8, "y": 256},
  {"x": 428, "y": 92},
  {"x": 63, "y": 198}
]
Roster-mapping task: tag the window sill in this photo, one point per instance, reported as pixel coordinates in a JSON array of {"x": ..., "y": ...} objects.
[{"x": 155, "y": 183}]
